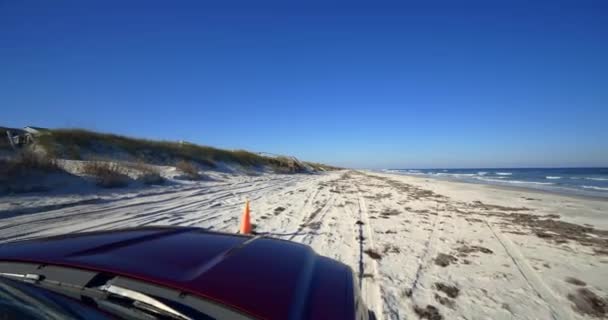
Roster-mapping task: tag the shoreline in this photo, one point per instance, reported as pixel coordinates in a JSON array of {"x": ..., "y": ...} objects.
[
  {"x": 575, "y": 209},
  {"x": 502, "y": 186}
]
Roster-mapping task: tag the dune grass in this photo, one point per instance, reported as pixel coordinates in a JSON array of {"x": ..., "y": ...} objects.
[
  {"x": 106, "y": 174},
  {"x": 64, "y": 142},
  {"x": 79, "y": 144},
  {"x": 189, "y": 169},
  {"x": 26, "y": 162},
  {"x": 321, "y": 167},
  {"x": 147, "y": 174}
]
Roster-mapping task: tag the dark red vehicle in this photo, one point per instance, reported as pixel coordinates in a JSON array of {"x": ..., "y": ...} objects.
[{"x": 173, "y": 273}]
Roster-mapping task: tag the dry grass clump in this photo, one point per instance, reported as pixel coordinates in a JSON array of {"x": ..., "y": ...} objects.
[
  {"x": 16, "y": 174},
  {"x": 26, "y": 162},
  {"x": 106, "y": 174},
  {"x": 189, "y": 169},
  {"x": 285, "y": 165},
  {"x": 28, "y": 159},
  {"x": 4, "y": 144},
  {"x": 148, "y": 173},
  {"x": 321, "y": 167}
]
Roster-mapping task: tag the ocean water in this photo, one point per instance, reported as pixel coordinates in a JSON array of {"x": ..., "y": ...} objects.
[{"x": 578, "y": 181}]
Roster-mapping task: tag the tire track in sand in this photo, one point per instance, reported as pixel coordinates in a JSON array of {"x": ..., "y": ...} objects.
[
  {"x": 370, "y": 289},
  {"x": 315, "y": 220},
  {"x": 531, "y": 277},
  {"x": 302, "y": 211}
]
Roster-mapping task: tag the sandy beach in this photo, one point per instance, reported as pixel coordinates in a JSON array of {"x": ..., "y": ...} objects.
[{"x": 422, "y": 248}]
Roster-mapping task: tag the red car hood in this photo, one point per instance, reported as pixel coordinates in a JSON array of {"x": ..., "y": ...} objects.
[{"x": 265, "y": 278}]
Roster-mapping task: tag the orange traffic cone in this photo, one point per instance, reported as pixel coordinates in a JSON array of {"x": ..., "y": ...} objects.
[{"x": 246, "y": 220}]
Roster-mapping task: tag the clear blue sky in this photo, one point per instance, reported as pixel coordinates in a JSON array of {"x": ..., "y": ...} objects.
[{"x": 385, "y": 84}]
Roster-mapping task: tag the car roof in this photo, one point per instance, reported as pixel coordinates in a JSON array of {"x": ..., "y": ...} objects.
[{"x": 263, "y": 277}]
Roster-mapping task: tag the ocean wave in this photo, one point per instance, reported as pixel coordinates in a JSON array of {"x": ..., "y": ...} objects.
[
  {"x": 490, "y": 179},
  {"x": 404, "y": 171},
  {"x": 456, "y": 174},
  {"x": 482, "y": 173},
  {"x": 526, "y": 182},
  {"x": 504, "y": 173},
  {"x": 552, "y": 178},
  {"x": 529, "y": 182},
  {"x": 596, "y": 179},
  {"x": 595, "y": 188}
]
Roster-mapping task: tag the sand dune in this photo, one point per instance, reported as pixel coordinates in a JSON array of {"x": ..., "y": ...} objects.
[{"x": 421, "y": 247}]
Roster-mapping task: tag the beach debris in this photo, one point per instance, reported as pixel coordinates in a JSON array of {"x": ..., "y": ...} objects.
[
  {"x": 444, "y": 260},
  {"x": 576, "y": 281},
  {"x": 464, "y": 250},
  {"x": 373, "y": 254},
  {"x": 587, "y": 302},
  {"x": 557, "y": 231},
  {"x": 390, "y": 212},
  {"x": 389, "y": 248},
  {"x": 444, "y": 301},
  {"x": 480, "y": 205},
  {"x": 430, "y": 312},
  {"x": 450, "y": 291}
]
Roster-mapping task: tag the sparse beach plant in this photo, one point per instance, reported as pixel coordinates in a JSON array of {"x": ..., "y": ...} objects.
[{"x": 106, "y": 174}]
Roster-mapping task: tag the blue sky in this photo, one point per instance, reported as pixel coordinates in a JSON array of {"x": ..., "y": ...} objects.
[{"x": 381, "y": 84}]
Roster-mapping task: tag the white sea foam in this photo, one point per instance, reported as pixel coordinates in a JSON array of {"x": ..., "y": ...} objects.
[
  {"x": 415, "y": 172},
  {"x": 595, "y": 188},
  {"x": 504, "y": 173},
  {"x": 513, "y": 181},
  {"x": 528, "y": 182},
  {"x": 596, "y": 179},
  {"x": 552, "y": 178},
  {"x": 482, "y": 173},
  {"x": 457, "y": 175},
  {"x": 490, "y": 179}
]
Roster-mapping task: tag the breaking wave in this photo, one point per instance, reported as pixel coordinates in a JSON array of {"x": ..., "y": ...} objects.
[
  {"x": 595, "y": 188},
  {"x": 527, "y": 182},
  {"x": 596, "y": 179}
]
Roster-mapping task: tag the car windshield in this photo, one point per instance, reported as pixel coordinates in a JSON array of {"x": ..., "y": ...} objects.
[
  {"x": 62, "y": 293},
  {"x": 24, "y": 301}
]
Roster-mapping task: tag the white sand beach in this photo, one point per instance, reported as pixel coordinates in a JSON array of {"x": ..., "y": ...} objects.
[{"x": 421, "y": 247}]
